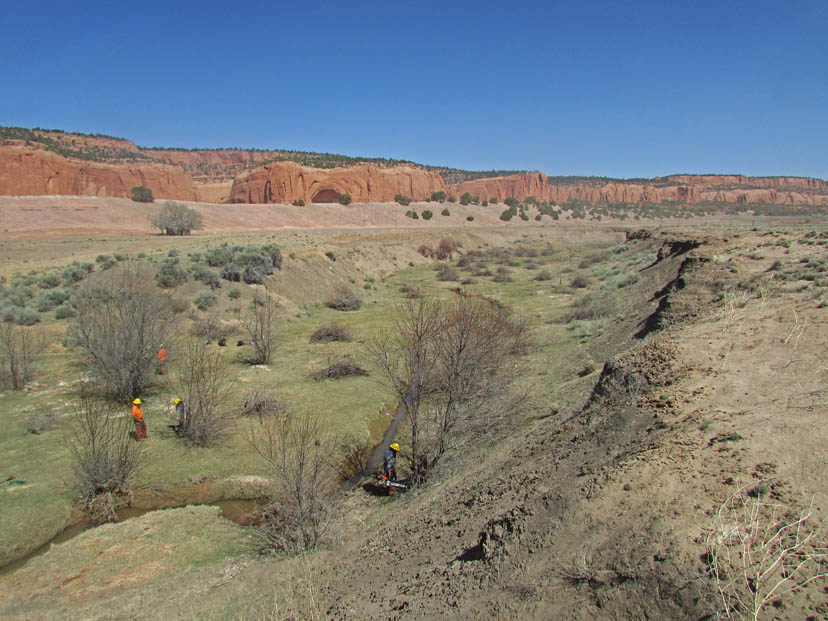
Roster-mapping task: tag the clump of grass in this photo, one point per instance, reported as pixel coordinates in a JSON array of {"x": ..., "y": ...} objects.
[
  {"x": 331, "y": 332},
  {"x": 543, "y": 276},
  {"x": 579, "y": 282}
]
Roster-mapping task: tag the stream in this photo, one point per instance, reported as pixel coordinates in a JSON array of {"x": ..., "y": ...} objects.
[{"x": 235, "y": 510}]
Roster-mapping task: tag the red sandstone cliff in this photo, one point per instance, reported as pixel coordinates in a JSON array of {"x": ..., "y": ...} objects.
[
  {"x": 677, "y": 188},
  {"x": 285, "y": 182},
  {"x": 26, "y": 172}
]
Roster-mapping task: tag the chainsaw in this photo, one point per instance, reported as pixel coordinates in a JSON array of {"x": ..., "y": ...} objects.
[{"x": 389, "y": 485}]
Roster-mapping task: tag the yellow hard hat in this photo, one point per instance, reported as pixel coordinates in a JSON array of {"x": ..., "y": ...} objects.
[
  {"x": 136, "y": 401},
  {"x": 395, "y": 447},
  {"x": 176, "y": 401}
]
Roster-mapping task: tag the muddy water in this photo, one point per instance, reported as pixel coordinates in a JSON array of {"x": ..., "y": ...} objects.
[
  {"x": 377, "y": 454},
  {"x": 236, "y": 510}
]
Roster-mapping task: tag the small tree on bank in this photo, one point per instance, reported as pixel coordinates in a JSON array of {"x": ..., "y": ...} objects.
[
  {"x": 260, "y": 323},
  {"x": 450, "y": 365},
  {"x": 141, "y": 194},
  {"x": 202, "y": 384},
  {"x": 176, "y": 219},
  {"x": 298, "y": 455}
]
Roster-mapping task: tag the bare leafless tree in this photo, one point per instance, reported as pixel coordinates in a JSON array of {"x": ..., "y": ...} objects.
[
  {"x": 299, "y": 458},
  {"x": 450, "y": 365},
  {"x": 104, "y": 457},
  {"x": 260, "y": 323},
  {"x": 407, "y": 357},
  {"x": 20, "y": 349},
  {"x": 122, "y": 320},
  {"x": 202, "y": 383}
]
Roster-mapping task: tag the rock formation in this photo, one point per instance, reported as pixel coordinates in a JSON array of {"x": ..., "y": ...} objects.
[
  {"x": 26, "y": 172},
  {"x": 519, "y": 186},
  {"x": 285, "y": 182}
]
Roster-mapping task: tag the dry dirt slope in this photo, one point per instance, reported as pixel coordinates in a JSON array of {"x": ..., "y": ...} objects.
[{"x": 605, "y": 514}]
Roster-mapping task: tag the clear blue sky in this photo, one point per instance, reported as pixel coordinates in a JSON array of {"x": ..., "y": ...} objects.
[{"x": 621, "y": 88}]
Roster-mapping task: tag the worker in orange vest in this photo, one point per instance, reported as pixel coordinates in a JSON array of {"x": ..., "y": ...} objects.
[
  {"x": 138, "y": 417},
  {"x": 162, "y": 360}
]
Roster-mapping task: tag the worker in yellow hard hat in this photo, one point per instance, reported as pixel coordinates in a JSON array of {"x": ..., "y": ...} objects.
[
  {"x": 138, "y": 418},
  {"x": 183, "y": 413},
  {"x": 390, "y": 462}
]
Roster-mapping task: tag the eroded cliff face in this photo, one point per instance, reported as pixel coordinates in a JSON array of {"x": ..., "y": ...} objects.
[
  {"x": 285, "y": 182},
  {"x": 519, "y": 186},
  {"x": 30, "y": 172}
]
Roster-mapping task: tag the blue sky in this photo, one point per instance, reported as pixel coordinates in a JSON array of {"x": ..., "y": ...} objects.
[{"x": 623, "y": 88}]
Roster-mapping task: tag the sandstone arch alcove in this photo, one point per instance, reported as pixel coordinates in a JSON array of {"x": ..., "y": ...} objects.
[{"x": 325, "y": 195}]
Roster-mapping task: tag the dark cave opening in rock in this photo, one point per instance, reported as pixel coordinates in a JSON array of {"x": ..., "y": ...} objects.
[{"x": 326, "y": 195}]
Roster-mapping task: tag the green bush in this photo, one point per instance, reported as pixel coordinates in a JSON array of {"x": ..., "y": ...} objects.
[
  {"x": 427, "y": 214},
  {"x": 169, "y": 273},
  {"x": 344, "y": 199},
  {"x": 402, "y": 199},
  {"x": 205, "y": 299},
  {"x": 470, "y": 218},
  {"x": 105, "y": 261},
  {"x": 439, "y": 196},
  {"x": 48, "y": 281},
  {"x": 485, "y": 203},
  {"x": 298, "y": 203},
  {"x": 176, "y": 219},
  {"x": 445, "y": 212},
  {"x": 506, "y": 215},
  {"x": 466, "y": 198},
  {"x": 512, "y": 202},
  {"x": 234, "y": 293},
  {"x": 493, "y": 201},
  {"x": 141, "y": 194},
  {"x": 26, "y": 317},
  {"x": 204, "y": 274},
  {"x": 49, "y": 299},
  {"x": 412, "y": 214},
  {"x": 64, "y": 311},
  {"x": 451, "y": 199}
]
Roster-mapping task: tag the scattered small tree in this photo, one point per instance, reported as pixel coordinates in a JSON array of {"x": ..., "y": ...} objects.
[
  {"x": 465, "y": 198},
  {"x": 445, "y": 212},
  {"x": 176, "y": 219},
  {"x": 260, "y": 323},
  {"x": 122, "y": 319},
  {"x": 344, "y": 199},
  {"x": 202, "y": 384},
  {"x": 439, "y": 196},
  {"x": 141, "y": 194},
  {"x": 298, "y": 203},
  {"x": 20, "y": 349},
  {"x": 427, "y": 215},
  {"x": 402, "y": 199},
  {"x": 104, "y": 457}
]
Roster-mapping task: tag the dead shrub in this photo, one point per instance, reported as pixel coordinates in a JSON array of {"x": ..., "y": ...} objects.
[
  {"x": 446, "y": 248},
  {"x": 426, "y": 250},
  {"x": 446, "y": 273},
  {"x": 503, "y": 275},
  {"x": 593, "y": 259},
  {"x": 543, "y": 275},
  {"x": 344, "y": 299},
  {"x": 342, "y": 366},
  {"x": 579, "y": 282},
  {"x": 39, "y": 423},
  {"x": 213, "y": 329},
  {"x": 262, "y": 403},
  {"x": 593, "y": 306},
  {"x": 353, "y": 457},
  {"x": 332, "y": 332}
]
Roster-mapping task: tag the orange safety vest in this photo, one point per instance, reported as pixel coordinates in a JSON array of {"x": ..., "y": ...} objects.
[
  {"x": 137, "y": 412},
  {"x": 162, "y": 355}
]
